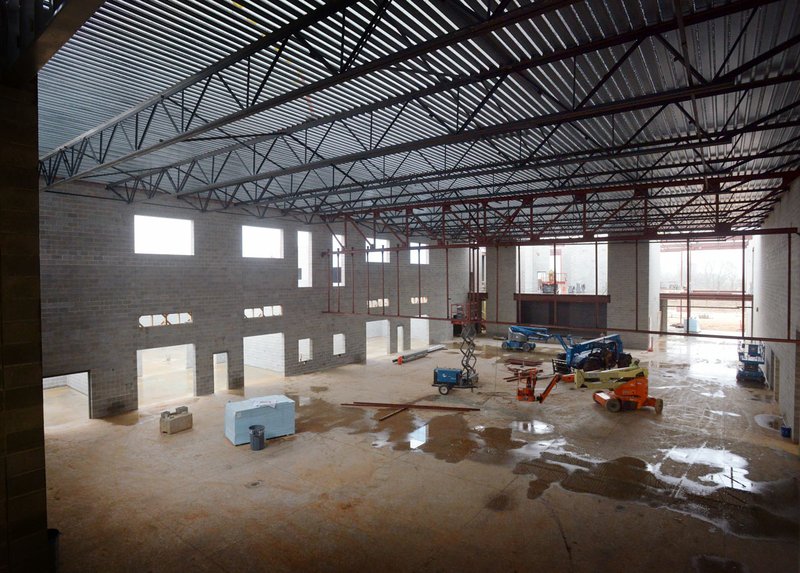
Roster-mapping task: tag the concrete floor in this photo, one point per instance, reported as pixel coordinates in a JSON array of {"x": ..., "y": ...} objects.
[{"x": 558, "y": 486}]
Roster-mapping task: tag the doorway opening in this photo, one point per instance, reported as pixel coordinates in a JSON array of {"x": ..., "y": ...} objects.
[
  {"x": 378, "y": 338},
  {"x": 219, "y": 362},
  {"x": 66, "y": 398},
  {"x": 165, "y": 374},
  {"x": 264, "y": 360},
  {"x": 420, "y": 333}
]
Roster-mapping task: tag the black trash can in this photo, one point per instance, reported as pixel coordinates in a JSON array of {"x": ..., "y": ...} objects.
[
  {"x": 256, "y": 437},
  {"x": 52, "y": 548}
]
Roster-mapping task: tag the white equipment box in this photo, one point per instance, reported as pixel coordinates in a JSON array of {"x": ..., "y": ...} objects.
[{"x": 275, "y": 413}]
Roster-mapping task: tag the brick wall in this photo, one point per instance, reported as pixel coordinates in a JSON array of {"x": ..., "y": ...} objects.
[
  {"x": 770, "y": 296},
  {"x": 94, "y": 288}
]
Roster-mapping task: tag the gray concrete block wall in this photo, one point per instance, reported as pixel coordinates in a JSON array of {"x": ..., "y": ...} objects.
[
  {"x": 399, "y": 281},
  {"x": 95, "y": 288},
  {"x": 770, "y": 298}
]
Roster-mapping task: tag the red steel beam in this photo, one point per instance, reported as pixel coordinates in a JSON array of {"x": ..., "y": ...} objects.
[{"x": 617, "y": 188}]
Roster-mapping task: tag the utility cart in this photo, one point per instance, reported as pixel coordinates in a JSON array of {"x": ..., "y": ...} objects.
[{"x": 751, "y": 357}]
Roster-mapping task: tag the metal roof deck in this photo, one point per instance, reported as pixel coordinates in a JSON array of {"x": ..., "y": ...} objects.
[{"x": 506, "y": 121}]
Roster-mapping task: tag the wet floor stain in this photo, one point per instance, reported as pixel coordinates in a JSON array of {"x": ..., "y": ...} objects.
[
  {"x": 318, "y": 416},
  {"x": 715, "y": 394},
  {"x": 499, "y": 502},
  {"x": 723, "y": 413},
  {"x": 127, "y": 419},
  {"x": 448, "y": 438},
  {"x": 769, "y": 421},
  {"x": 767, "y": 511},
  {"x": 714, "y": 564},
  {"x": 497, "y": 445},
  {"x": 532, "y": 427},
  {"x": 319, "y": 388}
]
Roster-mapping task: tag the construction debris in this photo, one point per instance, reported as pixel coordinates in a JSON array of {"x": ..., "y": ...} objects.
[
  {"x": 407, "y": 406},
  {"x": 523, "y": 362},
  {"x": 177, "y": 421},
  {"x": 417, "y": 354}
]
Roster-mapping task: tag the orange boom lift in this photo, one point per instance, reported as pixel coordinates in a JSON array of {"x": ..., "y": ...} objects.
[
  {"x": 526, "y": 384},
  {"x": 631, "y": 395}
]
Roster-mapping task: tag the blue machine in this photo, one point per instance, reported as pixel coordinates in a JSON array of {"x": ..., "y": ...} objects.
[
  {"x": 465, "y": 377},
  {"x": 450, "y": 376},
  {"x": 598, "y": 354},
  {"x": 524, "y": 337},
  {"x": 751, "y": 357}
]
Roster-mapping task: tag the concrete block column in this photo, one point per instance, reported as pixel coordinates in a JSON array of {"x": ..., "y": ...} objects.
[
  {"x": 623, "y": 271},
  {"x": 23, "y": 512},
  {"x": 235, "y": 364},
  {"x": 501, "y": 273},
  {"x": 203, "y": 369}
]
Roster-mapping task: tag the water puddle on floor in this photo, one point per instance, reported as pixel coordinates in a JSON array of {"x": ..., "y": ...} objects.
[
  {"x": 127, "y": 419},
  {"x": 716, "y": 394},
  {"x": 532, "y": 427},
  {"x": 703, "y": 470},
  {"x": 769, "y": 421},
  {"x": 319, "y": 388},
  {"x": 714, "y": 564},
  {"x": 449, "y": 438},
  {"x": 723, "y": 413},
  {"x": 704, "y": 483},
  {"x": 499, "y": 502},
  {"x": 318, "y": 416}
]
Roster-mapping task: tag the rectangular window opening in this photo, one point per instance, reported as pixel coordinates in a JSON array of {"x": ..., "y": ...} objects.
[
  {"x": 264, "y": 311},
  {"x": 419, "y": 255},
  {"x": 162, "y": 236},
  {"x": 165, "y": 319},
  {"x": 337, "y": 261},
  {"x": 376, "y": 256},
  {"x": 339, "y": 344},
  {"x": 304, "y": 350},
  {"x": 303, "y": 259},
  {"x": 262, "y": 242}
]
